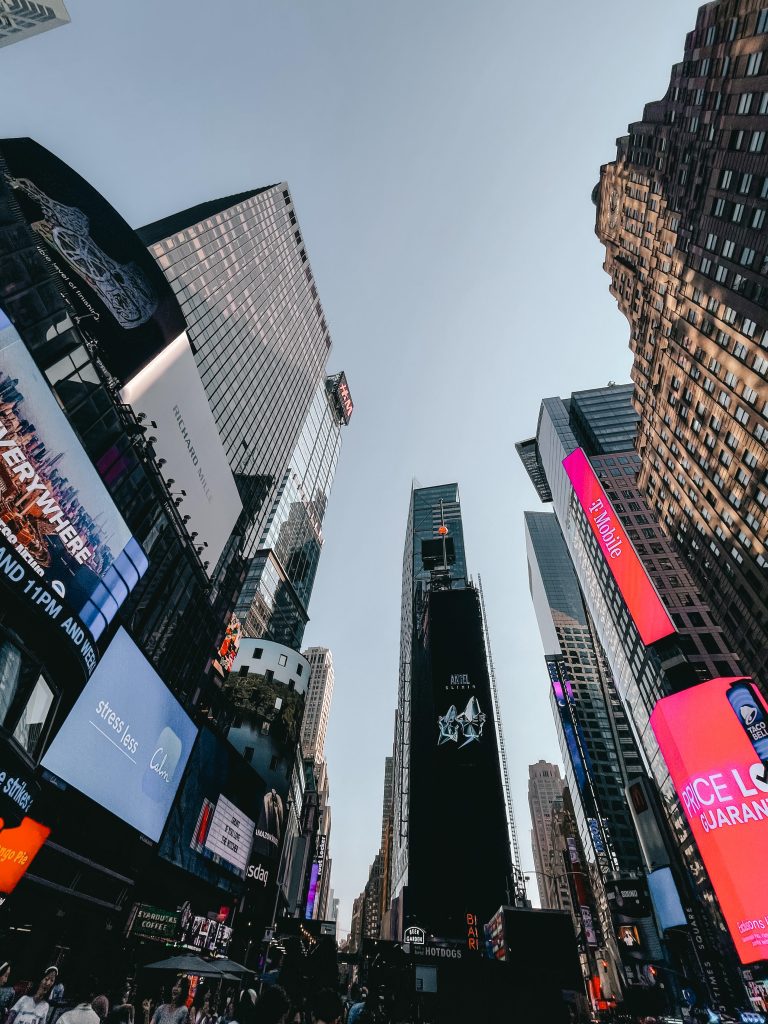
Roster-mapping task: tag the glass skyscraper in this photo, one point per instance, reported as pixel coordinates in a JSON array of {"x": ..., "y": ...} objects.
[{"x": 240, "y": 270}]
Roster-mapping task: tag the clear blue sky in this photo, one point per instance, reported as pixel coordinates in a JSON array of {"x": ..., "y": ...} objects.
[{"x": 441, "y": 156}]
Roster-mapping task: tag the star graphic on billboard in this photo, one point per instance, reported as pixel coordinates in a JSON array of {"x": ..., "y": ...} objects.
[{"x": 467, "y": 725}]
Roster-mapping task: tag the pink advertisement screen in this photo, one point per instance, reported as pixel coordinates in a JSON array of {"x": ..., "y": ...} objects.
[
  {"x": 714, "y": 740},
  {"x": 645, "y": 606}
]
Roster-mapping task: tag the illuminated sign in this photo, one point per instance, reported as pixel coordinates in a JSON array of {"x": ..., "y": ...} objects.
[
  {"x": 20, "y": 835},
  {"x": 713, "y": 738},
  {"x": 473, "y": 934},
  {"x": 126, "y": 741},
  {"x": 415, "y": 935},
  {"x": 338, "y": 389},
  {"x": 63, "y": 543},
  {"x": 229, "y": 834},
  {"x": 649, "y": 614}
]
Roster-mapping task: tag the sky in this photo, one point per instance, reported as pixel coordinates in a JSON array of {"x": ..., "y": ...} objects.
[{"x": 441, "y": 156}]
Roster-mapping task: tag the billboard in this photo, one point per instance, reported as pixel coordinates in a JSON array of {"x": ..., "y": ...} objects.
[
  {"x": 115, "y": 290},
  {"x": 216, "y": 816},
  {"x": 126, "y": 741},
  {"x": 459, "y": 852},
  {"x": 65, "y": 546},
  {"x": 644, "y": 604},
  {"x": 21, "y": 834},
  {"x": 714, "y": 740},
  {"x": 171, "y": 396}
]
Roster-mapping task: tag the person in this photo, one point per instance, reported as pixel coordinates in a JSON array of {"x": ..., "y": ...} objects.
[
  {"x": 82, "y": 1012},
  {"x": 33, "y": 1009},
  {"x": 292, "y": 975},
  {"x": 204, "y": 1013},
  {"x": 100, "y": 1006},
  {"x": 7, "y": 992},
  {"x": 327, "y": 1007},
  {"x": 272, "y": 1007},
  {"x": 246, "y": 1006},
  {"x": 175, "y": 1012}
]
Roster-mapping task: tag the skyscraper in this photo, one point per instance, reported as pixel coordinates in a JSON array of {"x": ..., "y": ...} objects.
[
  {"x": 447, "y": 743},
  {"x": 681, "y": 212},
  {"x": 240, "y": 270},
  {"x": 20, "y": 19},
  {"x": 274, "y": 599},
  {"x": 545, "y": 792},
  {"x": 318, "y": 704},
  {"x": 657, "y": 635}
]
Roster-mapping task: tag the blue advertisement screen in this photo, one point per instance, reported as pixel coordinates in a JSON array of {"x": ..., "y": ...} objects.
[{"x": 126, "y": 742}]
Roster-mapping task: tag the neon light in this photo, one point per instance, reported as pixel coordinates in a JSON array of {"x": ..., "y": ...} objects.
[
  {"x": 709, "y": 744},
  {"x": 649, "y": 614},
  {"x": 312, "y": 894}
]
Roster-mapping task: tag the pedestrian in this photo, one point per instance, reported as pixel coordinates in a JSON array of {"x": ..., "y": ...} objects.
[
  {"x": 292, "y": 975},
  {"x": 327, "y": 1007},
  {"x": 7, "y": 992},
  {"x": 175, "y": 1012},
  {"x": 100, "y": 1005},
  {"x": 82, "y": 1012},
  {"x": 33, "y": 1009},
  {"x": 272, "y": 1007},
  {"x": 246, "y": 1006},
  {"x": 204, "y": 1013}
]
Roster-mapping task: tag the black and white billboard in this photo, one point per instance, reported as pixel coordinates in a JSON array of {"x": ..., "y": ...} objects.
[{"x": 116, "y": 292}]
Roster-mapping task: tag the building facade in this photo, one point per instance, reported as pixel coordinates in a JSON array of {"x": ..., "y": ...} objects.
[
  {"x": 545, "y": 793},
  {"x": 318, "y": 705},
  {"x": 687, "y": 645},
  {"x": 240, "y": 270},
  {"x": 681, "y": 213},
  {"x": 20, "y": 19}
]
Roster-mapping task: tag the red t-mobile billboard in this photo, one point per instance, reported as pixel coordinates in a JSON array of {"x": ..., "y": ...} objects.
[
  {"x": 644, "y": 605},
  {"x": 714, "y": 739}
]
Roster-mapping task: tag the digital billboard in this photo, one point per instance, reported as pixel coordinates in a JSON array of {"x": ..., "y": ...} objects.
[
  {"x": 216, "y": 815},
  {"x": 171, "y": 396},
  {"x": 126, "y": 741},
  {"x": 117, "y": 293},
  {"x": 714, "y": 740},
  {"x": 459, "y": 853},
  {"x": 644, "y": 604},
  {"x": 65, "y": 546},
  {"x": 21, "y": 833}
]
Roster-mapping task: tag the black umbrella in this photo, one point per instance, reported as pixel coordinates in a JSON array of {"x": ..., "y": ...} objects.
[
  {"x": 189, "y": 965},
  {"x": 232, "y": 967}
]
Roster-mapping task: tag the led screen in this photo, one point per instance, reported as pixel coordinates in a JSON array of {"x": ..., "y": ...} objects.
[
  {"x": 644, "y": 605},
  {"x": 712, "y": 738},
  {"x": 126, "y": 741},
  {"x": 58, "y": 525},
  {"x": 116, "y": 292}
]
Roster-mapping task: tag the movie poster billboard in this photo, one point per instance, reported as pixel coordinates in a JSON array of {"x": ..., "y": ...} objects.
[
  {"x": 65, "y": 547},
  {"x": 171, "y": 396},
  {"x": 116, "y": 292},
  {"x": 714, "y": 740},
  {"x": 216, "y": 816},
  {"x": 126, "y": 741}
]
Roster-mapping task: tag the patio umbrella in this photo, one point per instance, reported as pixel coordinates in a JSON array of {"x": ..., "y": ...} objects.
[
  {"x": 232, "y": 967},
  {"x": 187, "y": 964}
]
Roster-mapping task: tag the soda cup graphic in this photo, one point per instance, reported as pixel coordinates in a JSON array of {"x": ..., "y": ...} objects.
[
  {"x": 159, "y": 773},
  {"x": 750, "y": 712}
]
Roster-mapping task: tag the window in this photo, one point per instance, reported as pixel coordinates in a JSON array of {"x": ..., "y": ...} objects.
[
  {"x": 753, "y": 63},
  {"x": 748, "y": 327},
  {"x": 764, "y": 103},
  {"x": 738, "y": 213},
  {"x": 745, "y": 184},
  {"x": 742, "y": 415},
  {"x": 747, "y": 257},
  {"x": 721, "y": 274},
  {"x": 729, "y": 315},
  {"x": 745, "y": 102},
  {"x": 737, "y": 140},
  {"x": 758, "y": 219},
  {"x": 282, "y": 660},
  {"x": 762, "y": 22},
  {"x": 711, "y": 242},
  {"x": 243, "y": 670},
  {"x": 749, "y": 395},
  {"x": 258, "y": 651},
  {"x": 30, "y": 729},
  {"x": 728, "y": 247},
  {"x": 10, "y": 671},
  {"x": 760, "y": 365},
  {"x": 740, "y": 350},
  {"x": 725, "y": 178},
  {"x": 718, "y": 207}
]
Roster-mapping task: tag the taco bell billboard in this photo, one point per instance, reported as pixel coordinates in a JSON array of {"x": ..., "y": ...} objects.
[
  {"x": 714, "y": 740},
  {"x": 644, "y": 604},
  {"x": 64, "y": 545}
]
